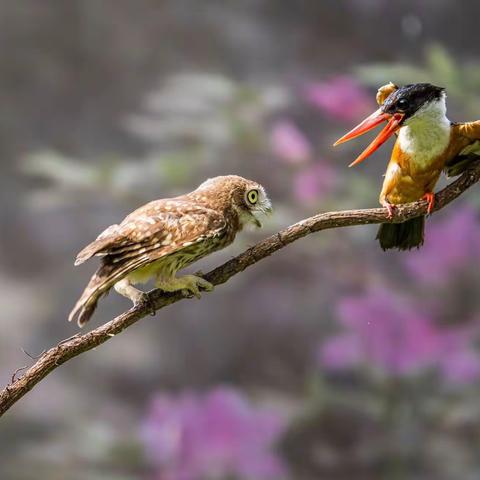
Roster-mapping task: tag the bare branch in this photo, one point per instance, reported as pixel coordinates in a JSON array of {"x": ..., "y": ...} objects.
[{"x": 73, "y": 346}]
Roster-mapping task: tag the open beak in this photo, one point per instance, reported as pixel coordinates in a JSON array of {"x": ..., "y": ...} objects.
[{"x": 376, "y": 118}]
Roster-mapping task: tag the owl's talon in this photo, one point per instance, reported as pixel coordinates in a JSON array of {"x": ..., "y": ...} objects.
[
  {"x": 192, "y": 291},
  {"x": 145, "y": 300},
  {"x": 138, "y": 297},
  {"x": 187, "y": 293},
  {"x": 197, "y": 294},
  {"x": 204, "y": 284},
  {"x": 189, "y": 285}
]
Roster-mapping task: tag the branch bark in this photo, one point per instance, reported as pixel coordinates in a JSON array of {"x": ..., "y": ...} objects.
[{"x": 82, "y": 342}]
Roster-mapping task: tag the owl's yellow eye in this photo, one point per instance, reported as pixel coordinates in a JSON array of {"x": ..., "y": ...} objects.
[{"x": 252, "y": 197}]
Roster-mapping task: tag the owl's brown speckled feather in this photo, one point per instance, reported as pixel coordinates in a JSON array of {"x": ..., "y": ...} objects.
[{"x": 164, "y": 236}]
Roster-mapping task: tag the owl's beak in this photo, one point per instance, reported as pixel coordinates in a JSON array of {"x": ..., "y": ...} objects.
[
  {"x": 268, "y": 210},
  {"x": 375, "y": 119},
  {"x": 262, "y": 210}
]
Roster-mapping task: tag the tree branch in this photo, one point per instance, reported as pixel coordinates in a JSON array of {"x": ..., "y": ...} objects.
[{"x": 73, "y": 346}]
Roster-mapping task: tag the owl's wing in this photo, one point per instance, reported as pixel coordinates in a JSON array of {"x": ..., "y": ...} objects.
[
  {"x": 471, "y": 152},
  {"x": 153, "y": 231}
]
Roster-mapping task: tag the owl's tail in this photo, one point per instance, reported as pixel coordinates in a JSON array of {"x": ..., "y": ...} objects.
[{"x": 100, "y": 283}]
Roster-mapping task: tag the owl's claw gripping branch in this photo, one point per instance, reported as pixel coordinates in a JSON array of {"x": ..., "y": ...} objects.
[
  {"x": 194, "y": 285},
  {"x": 147, "y": 300},
  {"x": 80, "y": 343},
  {"x": 138, "y": 297},
  {"x": 189, "y": 285}
]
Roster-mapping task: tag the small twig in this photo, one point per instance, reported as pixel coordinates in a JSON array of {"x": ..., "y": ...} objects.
[
  {"x": 12, "y": 379},
  {"x": 79, "y": 343},
  {"x": 61, "y": 342},
  {"x": 33, "y": 357}
]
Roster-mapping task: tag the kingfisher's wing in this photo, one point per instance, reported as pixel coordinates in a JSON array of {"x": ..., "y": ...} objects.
[
  {"x": 468, "y": 134},
  {"x": 469, "y": 130}
]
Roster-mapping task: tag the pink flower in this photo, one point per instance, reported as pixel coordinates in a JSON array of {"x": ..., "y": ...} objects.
[
  {"x": 289, "y": 143},
  {"x": 391, "y": 333},
  {"x": 314, "y": 182},
  {"x": 460, "y": 367},
  {"x": 341, "y": 97},
  {"x": 214, "y": 435},
  {"x": 452, "y": 244}
]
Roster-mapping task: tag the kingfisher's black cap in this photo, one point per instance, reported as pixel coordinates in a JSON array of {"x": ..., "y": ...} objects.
[{"x": 410, "y": 98}]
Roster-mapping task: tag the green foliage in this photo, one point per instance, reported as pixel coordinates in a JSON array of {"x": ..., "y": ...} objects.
[
  {"x": 462, "y": 80},
  {"x": 189, "y": 125}
]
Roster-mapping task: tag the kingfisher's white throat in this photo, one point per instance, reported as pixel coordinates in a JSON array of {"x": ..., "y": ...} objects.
[{"x": 426, "y": 134}]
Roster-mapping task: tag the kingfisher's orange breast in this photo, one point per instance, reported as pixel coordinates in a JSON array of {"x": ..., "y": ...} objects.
[
  {"x": 408, "y": 179},
  {"x": 414, "y": 170},
  {"x": 403, "y": 188}
]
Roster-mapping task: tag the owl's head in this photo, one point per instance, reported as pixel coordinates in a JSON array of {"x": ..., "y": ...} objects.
[{"x": 246, "y": 198}]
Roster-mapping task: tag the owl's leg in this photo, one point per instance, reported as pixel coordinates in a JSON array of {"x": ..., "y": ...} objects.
[
  {"x": 126, "y": 289},
  {"x": 188, "y": 284}
]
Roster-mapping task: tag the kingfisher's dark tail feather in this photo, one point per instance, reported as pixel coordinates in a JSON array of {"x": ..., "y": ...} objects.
[{"x": 402, "y": 236}]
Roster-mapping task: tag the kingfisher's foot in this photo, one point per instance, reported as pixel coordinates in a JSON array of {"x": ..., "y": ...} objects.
[
  {"x": 430, "y": 198},
  {"x": 390, "y": 207}
]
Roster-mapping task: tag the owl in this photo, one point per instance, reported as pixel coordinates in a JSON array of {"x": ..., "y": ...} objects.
[{"x": 164, "y": 236}]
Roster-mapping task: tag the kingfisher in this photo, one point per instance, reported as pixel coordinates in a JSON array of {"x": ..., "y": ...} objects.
[{"x": 427, "y": 143}]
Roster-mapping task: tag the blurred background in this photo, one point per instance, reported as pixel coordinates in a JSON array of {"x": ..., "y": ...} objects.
[{"x": 332, "y": 359}]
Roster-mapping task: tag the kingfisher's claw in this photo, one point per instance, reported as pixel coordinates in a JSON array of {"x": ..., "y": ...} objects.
[
  {"x": 391, "y": 209},
  {"x": 430, "y": 198}
]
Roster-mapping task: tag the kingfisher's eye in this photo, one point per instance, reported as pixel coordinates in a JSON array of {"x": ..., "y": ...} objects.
[
  {"x": 402, "y": 103},
  {"x": 252, "y": 197}
]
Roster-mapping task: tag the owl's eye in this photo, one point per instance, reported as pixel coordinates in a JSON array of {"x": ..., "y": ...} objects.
[
  {"x": 403, "y": 103},
  {"x": 252, "y": 197}
]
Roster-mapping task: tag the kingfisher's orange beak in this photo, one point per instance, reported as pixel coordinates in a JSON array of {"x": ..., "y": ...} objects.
[{"x": 376, "y": 118}]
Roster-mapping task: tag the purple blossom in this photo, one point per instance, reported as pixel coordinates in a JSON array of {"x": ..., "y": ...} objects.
[
  {"x": 461, "y": 366},
  {"x": 341, "y": 97},
  {"x": 387, "y": 331},
  {"x": 197, "y": 436},
  {"x": 289, "y": 143},
  {"x": 314, "y": 182},
  {"x": 452, "y": 244}
]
